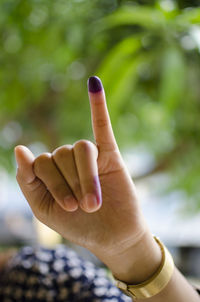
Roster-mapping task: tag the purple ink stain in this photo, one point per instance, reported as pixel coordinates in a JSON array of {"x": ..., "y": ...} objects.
[
  {"x": 94, "y": 84},
  {"x": 97, "y": 187}
]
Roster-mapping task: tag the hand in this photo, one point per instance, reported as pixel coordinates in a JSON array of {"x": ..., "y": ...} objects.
[{"x": 84, "y": 191}]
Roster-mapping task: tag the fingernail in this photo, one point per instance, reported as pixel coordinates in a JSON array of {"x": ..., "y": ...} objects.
[
  {"x": 70, "y": 203},
  {"x": 94, "y": 84},
  {"x": 90, "y": 203}
]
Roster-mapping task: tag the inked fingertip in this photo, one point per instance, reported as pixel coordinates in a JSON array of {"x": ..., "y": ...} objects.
[{"x": 94, "y": 84}]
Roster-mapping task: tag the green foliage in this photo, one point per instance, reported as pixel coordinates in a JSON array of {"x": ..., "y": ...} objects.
[
  {"x": 120, "y": 63},
  {"x": 173, "y": 79},
  {"x": 147, "y": 56},
  {"x": 147, "y": 17},
  {"x": 46, "y": 56},
  {"x": 162, "y": 104}
]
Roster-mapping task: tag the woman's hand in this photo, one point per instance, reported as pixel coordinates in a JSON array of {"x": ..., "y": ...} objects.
[{"x": 83, "y": 191}]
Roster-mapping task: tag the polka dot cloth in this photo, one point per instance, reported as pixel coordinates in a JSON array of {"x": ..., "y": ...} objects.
[{"x": 44, "y": 275}]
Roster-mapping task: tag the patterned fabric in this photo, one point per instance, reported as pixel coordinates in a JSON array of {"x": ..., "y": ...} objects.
[{"x": 44, "y": 275}]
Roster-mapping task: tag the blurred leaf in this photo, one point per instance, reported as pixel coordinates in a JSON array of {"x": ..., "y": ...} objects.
[
  {"x": 173, "y": 79},
  {"x": 114, "y": 60},
  {"x": 144, "y": 16},
  {"x": 123, "y": 85},
  {"x": 118, "y": 73},
  {"x": 189, "y": 16}
]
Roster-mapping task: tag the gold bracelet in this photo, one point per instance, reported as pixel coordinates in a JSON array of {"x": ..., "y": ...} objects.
[{"x": 155, "y": 283}]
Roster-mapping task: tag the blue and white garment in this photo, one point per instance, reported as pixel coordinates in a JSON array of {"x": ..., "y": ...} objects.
[{"x": 55, "y": 275}]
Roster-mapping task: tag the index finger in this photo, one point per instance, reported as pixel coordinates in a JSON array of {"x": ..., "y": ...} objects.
[{"x": 101, "y": 124}]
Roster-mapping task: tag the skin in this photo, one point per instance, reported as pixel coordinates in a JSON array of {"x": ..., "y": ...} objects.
[{"x": 85, "y": 193}]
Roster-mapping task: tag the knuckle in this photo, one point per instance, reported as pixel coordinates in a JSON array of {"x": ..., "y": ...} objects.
[
  {"x": 83, "y": 145},
  {"x": 18, "y": 176},
  {"x": 100, "y": 123},
  {"x": 41, "y": 161},
  {"x": 107, "y": 147},
  {"x": 61, "y": 152},
  {"x": 24, "y": 179}
]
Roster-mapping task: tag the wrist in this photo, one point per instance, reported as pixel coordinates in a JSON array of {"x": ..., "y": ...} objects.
[{"x": 138, "y": 263}]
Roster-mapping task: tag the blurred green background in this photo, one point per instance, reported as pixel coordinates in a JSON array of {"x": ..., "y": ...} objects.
[{"x": 147, "y": 55}]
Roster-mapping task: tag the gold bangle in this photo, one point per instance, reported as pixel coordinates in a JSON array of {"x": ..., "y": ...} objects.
[{"x": 155, "y": 283}]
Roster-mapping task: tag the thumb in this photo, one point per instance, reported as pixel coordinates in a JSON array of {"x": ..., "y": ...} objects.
[
  {"x": 32, "y": 187},
  {"x": 25, "y": 159}
]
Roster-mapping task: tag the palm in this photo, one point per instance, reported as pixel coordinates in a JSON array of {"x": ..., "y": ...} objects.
[{"x": 96, "y": 228}]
